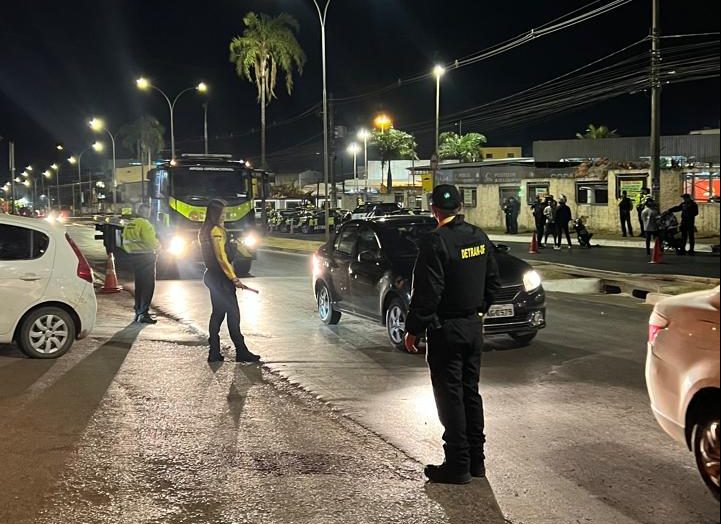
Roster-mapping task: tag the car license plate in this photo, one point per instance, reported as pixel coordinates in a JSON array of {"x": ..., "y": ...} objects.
[{"x": 501, "y": 311}]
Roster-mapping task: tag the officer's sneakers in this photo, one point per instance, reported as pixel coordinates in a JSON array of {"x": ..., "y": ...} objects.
[
  {"x": 145, "y": 319},
  {"x": 444, "y": 474},
  {"x": 216, "y": 358}
]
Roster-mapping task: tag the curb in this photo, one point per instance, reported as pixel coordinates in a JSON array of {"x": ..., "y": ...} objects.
[
  {"x": 575, "y": 286},
  {"x": 654, "y": 298}
]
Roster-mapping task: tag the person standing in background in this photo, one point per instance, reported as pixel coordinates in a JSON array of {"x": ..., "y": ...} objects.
[
  {"x": 563, "y": 218},
  {"x": 649, "y": 216},
  {"x": 625, "y": 205},
  {"x": 689, "y": 212},
  {"x": 641, "y": 199},
  {"x": 141, "y": 244},
  {"x": 539, "y": 219},
  {"x": 549, "y": 212}
]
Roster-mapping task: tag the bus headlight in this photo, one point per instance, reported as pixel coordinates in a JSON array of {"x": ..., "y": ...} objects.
[
  {"x": 250, "y": 240},
  {"x": 177, "y": 246},
  {"x": 531, "y": 281}
]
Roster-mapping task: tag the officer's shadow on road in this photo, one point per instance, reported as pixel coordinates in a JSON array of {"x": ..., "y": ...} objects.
[
  {"x": 245, "y": 378},
  {"x": 473, "y": 503}
]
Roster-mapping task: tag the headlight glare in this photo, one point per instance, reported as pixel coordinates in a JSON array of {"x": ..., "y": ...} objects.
[
  {"x": 177, "y": 246},
  {"x": 250, "y": 240},
  {"x": 531, "y": 281}
]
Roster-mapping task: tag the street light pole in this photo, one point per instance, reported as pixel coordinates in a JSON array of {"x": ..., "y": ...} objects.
[
  {"x": 205, "y": 126},
  {"x": 438, "y": 72},
  {"x": 364, "y": 135},
  {"x": 656, "y": 101},
  {"x": 323, "y": 16},
  {"x": 144, "y": 83},
  {"x": 11, "y": 155}
]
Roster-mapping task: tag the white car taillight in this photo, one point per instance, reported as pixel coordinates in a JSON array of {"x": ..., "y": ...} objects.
[
  {"x": 84, "y": 270},
  {"x": 656, "y": 324}
]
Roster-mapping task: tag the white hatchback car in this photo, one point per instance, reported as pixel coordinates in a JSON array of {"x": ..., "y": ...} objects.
[
  {"x": 682, "y": 375},
  {"x": 46, "y": 287}
]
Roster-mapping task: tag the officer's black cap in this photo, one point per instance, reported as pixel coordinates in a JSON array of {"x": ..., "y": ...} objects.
[{"x": 446, "y": 197}]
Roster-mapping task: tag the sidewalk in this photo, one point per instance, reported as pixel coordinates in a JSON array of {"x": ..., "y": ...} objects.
[{"x": 158, "y": 435}]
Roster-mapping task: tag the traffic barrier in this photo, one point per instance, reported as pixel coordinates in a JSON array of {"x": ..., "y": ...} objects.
[
  {"x": 533, "y": 248},
  {"x": 111, "y": 277},
  {"x": 657, "y": 255}
]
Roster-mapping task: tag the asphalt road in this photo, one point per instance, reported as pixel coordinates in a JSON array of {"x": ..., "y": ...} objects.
[{"x": 571, "y": 436}]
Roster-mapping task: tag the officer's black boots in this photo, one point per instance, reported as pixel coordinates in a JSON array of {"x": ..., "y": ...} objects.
[
  {"x": 478, "y": 468},
  {"x": 445, "y": 474},
  {"x": 244, "y": 355}
]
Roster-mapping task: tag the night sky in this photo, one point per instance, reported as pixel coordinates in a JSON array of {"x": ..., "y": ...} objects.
[{"x": 62, "y": 62}]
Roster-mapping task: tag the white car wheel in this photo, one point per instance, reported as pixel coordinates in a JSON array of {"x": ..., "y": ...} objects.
[
  {"x": 47, "y": 332},
  {"x": 707, "y": 449}
]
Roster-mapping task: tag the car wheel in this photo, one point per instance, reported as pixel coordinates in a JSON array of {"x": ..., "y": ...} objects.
[
  {"x": 396, "y": 324},
  {"x": 47, "y": 332},
  {"x": 524, "y": 339},
  {"x": 242, "y": 267},
  {"x": 305, "y": 229},
  {"x": 327, "y": 314},
  {"x": 706, "y": 442}
]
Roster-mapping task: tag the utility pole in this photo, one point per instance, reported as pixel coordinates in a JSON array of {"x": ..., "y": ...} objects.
[
  {"x": 331, "y": 127},
  {"x": 656, "y": 101},
  {"x": 205, "y": 126},
  {"x": 11, "y": 154}
]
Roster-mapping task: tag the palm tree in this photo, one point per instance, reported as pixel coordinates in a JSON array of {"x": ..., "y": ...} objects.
[
  {"x": 394, "y": 144},
  {"x": 143, "y": 137},
  {"x": 268, "y": 46},
  {"x": 466, "y": 148},
  {"x": 595, "y": 133}
]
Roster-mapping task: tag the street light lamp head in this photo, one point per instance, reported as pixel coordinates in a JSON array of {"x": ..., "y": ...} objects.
[
  {"x": 353, "y": 148},
  {"x": 439, "y": 71},
  {"x": 25, "y": 174},
  {"x": 47, "y": 174},
  {"x": 364, "y": 134},
  {"x": 29, "y": 168},
  {"x": 142, "y": 83},
  {"x": 72, "y": 160},
  {"x": 202, "y": 87},
  {"x": 54, "y": 167},
  {"x": 98, "y": 147},
  {"x": 97, "y": 124},
  {"x": 383, "y": 122},
  {"x": 26, "y": 183}
]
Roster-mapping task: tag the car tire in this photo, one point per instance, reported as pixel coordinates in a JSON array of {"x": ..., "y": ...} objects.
[
  {"x": 396, "y": 323},
  {"x": 305, "y": 229},
  {"x": 242, "y": 267},
  {"x": 47, "y": 332},
  {"x": 328, "y": 315},
  {"x": 706, "y": 437},
  {"x": 523, "y": 339}
]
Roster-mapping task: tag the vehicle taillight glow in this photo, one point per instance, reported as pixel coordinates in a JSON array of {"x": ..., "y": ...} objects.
[
  {"x": 84, "y": 270},
  {"x": 656, "y": 324}
]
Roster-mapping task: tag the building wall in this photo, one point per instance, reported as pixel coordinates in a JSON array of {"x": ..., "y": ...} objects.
[
  {"x": 601, "y": 217},
  {"x": 493, "y": 153}
]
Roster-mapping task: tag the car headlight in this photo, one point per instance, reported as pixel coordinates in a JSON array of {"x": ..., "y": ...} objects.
[
  {"x": 531, "y": 281},
  {"x": 250, "y": 240},
  {"x": 177, "y": 246}
]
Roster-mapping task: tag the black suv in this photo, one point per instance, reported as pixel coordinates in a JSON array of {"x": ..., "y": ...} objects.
[{"x": 367, "y": 271}]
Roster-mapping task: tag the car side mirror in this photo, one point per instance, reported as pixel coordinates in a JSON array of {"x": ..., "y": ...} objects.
[
  {"x": 370, "y": 257},
  {"x": 503, "y": 248}
]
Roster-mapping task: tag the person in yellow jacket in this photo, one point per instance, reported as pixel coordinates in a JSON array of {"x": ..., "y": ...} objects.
[
  {"x": 222, "y": 282},
  {"x": 141, "y": 244},
  {"x": 641, "y": 199}
]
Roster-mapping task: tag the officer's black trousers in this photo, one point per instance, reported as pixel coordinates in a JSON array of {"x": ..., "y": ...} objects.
[
  {"x": 688, "y": 235},
  {"x": 224, "y": 300},
  {"x": 144, "y": 269},
  {"x": 454, "y": 358}
]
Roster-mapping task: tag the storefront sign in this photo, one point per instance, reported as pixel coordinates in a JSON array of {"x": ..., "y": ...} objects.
[{"x": 502, "y": 174}]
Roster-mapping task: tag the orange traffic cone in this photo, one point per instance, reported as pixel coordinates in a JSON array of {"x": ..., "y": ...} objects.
[
  {"x": 533, "y": 248},
  {"x": 657, "y": 255},
  {"x": 111, "y": 277}
]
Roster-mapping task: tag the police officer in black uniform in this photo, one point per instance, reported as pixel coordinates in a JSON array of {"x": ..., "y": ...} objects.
[{"x": 454, "y": 282}]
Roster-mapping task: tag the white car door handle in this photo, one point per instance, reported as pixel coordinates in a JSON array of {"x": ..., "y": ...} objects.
[{"x": 30, "y": 277}]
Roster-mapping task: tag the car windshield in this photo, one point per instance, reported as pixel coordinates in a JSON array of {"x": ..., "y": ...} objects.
[{"x": 401, "y": 240}]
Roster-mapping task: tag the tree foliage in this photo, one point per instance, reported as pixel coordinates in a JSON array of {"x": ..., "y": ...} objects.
[
  {"x": 466, "y": 148},
  {"x": 595, "y": 133},
  {"x": 143, "y": 136},
  {"x": 267, "y": 48},
  {"x": 394, "y": 144}
]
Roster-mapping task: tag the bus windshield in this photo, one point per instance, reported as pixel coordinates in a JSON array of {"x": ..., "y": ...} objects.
[{"x": 195, "y": 185}]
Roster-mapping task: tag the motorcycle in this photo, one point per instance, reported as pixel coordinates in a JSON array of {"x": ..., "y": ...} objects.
[{"x": 582, "y": 234}]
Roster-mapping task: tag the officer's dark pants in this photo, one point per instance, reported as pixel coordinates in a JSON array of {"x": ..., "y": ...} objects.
[
  {"x": 564, "y": 230},
  {"x": 626, "y": 227},
  {"x": 144, "y": 270},
  {"x": 509, "y": 224},
  {"x": 224, "y": 301},
  {"x": 688, "y": 235},
  {"x": 540, "y": 227},
  {"x": 454, "y": 359}
]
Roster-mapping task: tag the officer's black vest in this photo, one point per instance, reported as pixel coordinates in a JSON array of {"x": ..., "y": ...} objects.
[
  {"x": 209, "y": 259},
  {"x": 468, "y": 249}
]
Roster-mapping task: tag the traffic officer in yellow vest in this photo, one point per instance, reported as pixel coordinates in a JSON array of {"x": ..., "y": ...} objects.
[
  {"x": 141, "y": 244},
  {"x": 641, "y": 199},
  {"x": 455, "y": 281}
]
